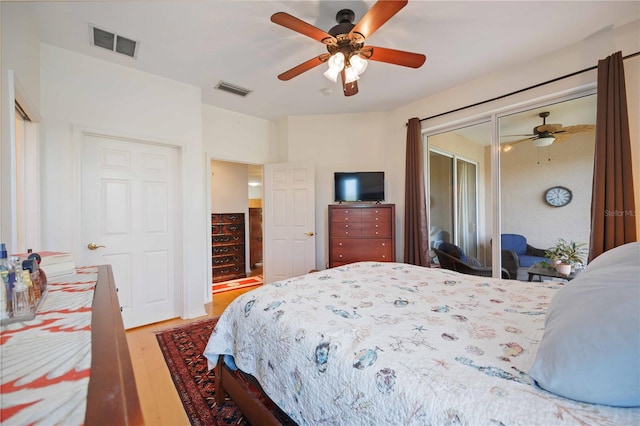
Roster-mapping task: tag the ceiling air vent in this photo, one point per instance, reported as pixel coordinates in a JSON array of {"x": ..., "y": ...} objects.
[
  {"x": 236, "y": 90},
  {"x": 113, "y": 42}
]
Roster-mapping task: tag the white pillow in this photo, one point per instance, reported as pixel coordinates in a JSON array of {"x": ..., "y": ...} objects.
[{"x": 590, "y": 350}]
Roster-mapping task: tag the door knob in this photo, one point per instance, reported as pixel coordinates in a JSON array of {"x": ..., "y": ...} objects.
[
  {"x": 310, "y": 234},
  {"x": 93, "y": 246}
]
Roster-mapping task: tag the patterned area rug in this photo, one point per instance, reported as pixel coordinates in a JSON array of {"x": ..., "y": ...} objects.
[
  {"x": 182, "y": 348},
  {"x": 253, "y": 281}
]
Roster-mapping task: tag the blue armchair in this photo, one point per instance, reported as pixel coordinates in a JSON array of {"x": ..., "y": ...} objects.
[{"x": 516, "y": 253}]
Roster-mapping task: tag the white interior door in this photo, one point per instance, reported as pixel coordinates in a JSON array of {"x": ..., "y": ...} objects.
[
  {"x": 129, "y": 194},
  {"x": 289, "y": 220}
]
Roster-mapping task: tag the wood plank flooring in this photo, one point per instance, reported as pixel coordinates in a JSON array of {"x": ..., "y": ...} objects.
[{"x": 158, "y": 396}]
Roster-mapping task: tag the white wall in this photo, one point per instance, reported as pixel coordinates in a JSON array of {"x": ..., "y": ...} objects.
[
  {"x": 229, "y": 189},
  {"x": 343, "y": 143},
  {"x": 231, "y": 136},
  {"x": 20, "y": 53},
  {"x": 79, "y": 92}
]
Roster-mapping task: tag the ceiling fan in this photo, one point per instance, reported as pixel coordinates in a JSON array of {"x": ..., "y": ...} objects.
[
  {"x": 546, "y": 134},
  {"x": 347, "y": 55}
]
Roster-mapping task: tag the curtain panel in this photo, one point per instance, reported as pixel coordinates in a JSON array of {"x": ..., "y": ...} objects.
[
  {"x": 416, "y": 238},
  {"x": 613, "y": 214}
]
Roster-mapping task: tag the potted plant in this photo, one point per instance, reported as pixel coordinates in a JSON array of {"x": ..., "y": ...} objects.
[{"x": 565, "y": 255}]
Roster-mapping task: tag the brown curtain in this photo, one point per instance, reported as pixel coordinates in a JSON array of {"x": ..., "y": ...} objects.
[
  {"x": 613, "y": 221},
  {"x": 416, "y": 249}
]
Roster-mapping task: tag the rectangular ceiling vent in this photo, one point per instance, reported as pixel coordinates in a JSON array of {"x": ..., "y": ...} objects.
[
  {"x": 231, "y": 88},
  {"x": 113, "y": 42}
]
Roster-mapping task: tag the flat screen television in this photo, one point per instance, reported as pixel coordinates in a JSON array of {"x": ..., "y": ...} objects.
[{"x": 359, "y": 186}]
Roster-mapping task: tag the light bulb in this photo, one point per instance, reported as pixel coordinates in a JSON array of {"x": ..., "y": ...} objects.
[
  {"x": 332, "y": 74},
  {"x": 336, "y": 64},
  {"x": 359, "y": 64},
  {"x": 350, "y": 75}
]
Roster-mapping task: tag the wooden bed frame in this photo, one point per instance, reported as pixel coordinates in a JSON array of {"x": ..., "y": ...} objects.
[
  {"x": 112, "y": 396},
  {"x": 227, "y": 382}
]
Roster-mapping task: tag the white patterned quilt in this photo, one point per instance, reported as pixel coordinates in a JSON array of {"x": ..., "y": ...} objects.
[{"x": 395, "y": 344}]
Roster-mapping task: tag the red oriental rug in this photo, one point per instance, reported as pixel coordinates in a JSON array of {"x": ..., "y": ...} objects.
[
  {"x": 182, "y": 348},
  {"x": 253, "y": 281}
]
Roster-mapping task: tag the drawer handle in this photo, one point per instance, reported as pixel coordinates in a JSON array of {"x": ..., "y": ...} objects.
[
  {"x": 377, "y": 232},
  {"x": 340, "y": 244},
  {"x": 384, "y": 244},
  {"x": 340, "y": 256},
  {"x": 346, "y": 226},
  {"x": 377, "y": 218},
  {"x": 383, "y": 256}
]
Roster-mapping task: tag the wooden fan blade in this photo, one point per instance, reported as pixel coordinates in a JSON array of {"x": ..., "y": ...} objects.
[
  {"x": 549, "y": 128},
  {"x": 305, "y": 66},
  {"x": 579, "y": 128},
  {"x": 393, "y": 56},
  {"x": 349, "y": 89},
  {"x": 298, "y": 25},
  {"x": 380, "y": 13}
]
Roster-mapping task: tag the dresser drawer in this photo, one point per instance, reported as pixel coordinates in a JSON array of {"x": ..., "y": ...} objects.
[
  {"x": 380, "y": 215},
  {"x": 227, "y": 250},
  {"x": 375, "y": 229},
  {"x": 233, "y": 218},
  {"x": 221, "y": 239},
  {"x": 376, "y": 249},
  {"x": 343, "y": 229},
  {"x": 346, "y": 215},
  {"x": 232, "y": 260}
]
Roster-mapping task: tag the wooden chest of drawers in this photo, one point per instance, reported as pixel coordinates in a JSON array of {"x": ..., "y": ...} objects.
[
  {"x": 361, "y": 232},
  {"x": 227, "y": 246}
]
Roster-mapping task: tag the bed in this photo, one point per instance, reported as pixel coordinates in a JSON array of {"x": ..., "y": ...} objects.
[{"x": 390, "y": 343}]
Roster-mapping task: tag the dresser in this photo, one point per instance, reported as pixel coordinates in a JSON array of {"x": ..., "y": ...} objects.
[
  {"x": 227, "y": 246},
  {"x": 361, "y": 232}
]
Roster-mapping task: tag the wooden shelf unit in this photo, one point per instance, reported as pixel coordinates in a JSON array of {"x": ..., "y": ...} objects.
[
  {"x": 227, "y": 246},
  {"x": 361, "y": 232}
]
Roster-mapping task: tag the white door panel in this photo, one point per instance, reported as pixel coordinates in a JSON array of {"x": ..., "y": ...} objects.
[
  {"x": 128, "y": 190},
  {"x": 289, "y": 220}
]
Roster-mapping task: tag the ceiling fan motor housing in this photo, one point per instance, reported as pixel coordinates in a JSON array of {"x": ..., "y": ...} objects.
[{"x": 347, "y": 45}]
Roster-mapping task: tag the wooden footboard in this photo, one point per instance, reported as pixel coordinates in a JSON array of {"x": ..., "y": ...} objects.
[{"x": 251, "y": 406}]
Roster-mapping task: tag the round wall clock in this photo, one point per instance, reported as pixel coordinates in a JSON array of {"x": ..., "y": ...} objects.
[{"x": 558, "y": 196}]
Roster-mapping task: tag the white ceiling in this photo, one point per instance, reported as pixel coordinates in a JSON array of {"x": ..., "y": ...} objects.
[{"x": 203, "y": 42}]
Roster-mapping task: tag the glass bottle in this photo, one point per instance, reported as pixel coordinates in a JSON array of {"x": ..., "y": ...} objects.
[{"x": 20, "y": 299}]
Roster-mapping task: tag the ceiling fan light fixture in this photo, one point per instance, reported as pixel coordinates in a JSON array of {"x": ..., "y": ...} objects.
[
  {"x": 546, "y": 141},
  {"x": 350, "y": 75},
  {"x": 358, "y": 64},
  {"x": 336, "y": 64}
]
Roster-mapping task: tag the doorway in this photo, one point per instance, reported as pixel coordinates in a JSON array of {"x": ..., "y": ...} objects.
[{"x": 236, "y": 188}]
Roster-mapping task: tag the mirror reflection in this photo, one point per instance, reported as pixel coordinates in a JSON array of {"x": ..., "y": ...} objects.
[
  {"x": 546, "y": 170},
  {"x": 459, "y": 177}
]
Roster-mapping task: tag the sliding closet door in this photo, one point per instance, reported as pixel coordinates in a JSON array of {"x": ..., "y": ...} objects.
[{"x": 458, "y": 173}]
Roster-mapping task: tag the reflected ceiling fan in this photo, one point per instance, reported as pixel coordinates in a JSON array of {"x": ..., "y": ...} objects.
[
  {"x": 345, "y": 43},
  {"x": 546, "y": 134}
]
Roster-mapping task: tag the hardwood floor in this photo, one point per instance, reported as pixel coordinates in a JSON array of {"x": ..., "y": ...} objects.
[{"x": 158, "y": 396}]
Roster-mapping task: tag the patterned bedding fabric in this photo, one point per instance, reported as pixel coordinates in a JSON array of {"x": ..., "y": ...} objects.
[{"x": 388, "y": 343}]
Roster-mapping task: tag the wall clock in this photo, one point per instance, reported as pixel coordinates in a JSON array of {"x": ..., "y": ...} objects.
[{"x": 558, "y": 196}]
